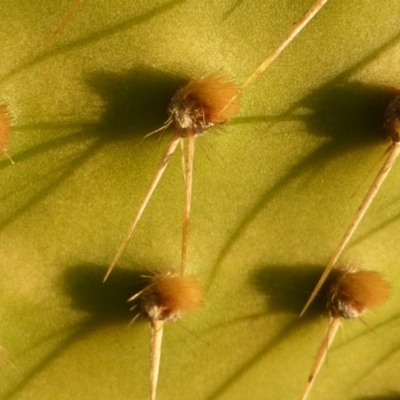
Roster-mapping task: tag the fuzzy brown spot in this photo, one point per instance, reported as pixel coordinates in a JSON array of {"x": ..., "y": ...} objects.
[
  {"x": 204, "y": 103},
  {"x": 392, "y": 120},
  {"x": 5, "y": 128},
  {"x": 169, "y": 295},
  {"x": 354, "y": 291}
]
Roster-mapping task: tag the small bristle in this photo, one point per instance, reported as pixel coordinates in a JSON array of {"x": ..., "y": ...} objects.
[
  {"x": 355, "y": 291},
  {"x": 392, "y": 120},
  {"x": 5, "y": 128},
  {"x": 170, "y": 295},
  {"x": 204, "y": 102}
]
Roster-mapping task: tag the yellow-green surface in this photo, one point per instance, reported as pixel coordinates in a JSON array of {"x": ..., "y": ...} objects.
[{"x": 271, "y": 198}]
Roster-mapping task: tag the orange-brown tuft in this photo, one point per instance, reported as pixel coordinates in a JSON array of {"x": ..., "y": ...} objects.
[
  {"x": 169, "y": 295},
  {"x": 5, "y": 128},
  {"x": 392, "y": 120},
  {"x": 204, "y": 102},
  {"x": 355, "y": 291}
]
